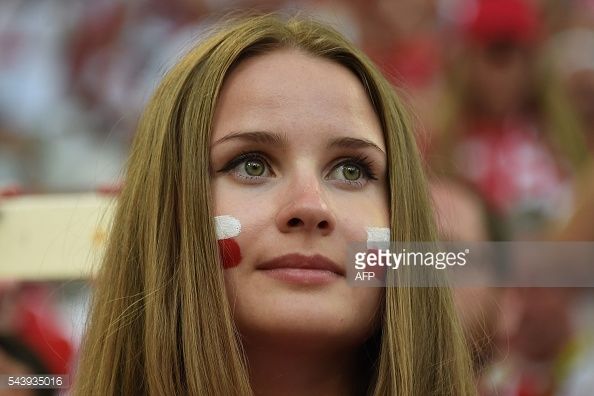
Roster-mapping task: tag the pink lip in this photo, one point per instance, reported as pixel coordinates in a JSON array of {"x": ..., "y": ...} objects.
[{"x": 297, "y": 268}]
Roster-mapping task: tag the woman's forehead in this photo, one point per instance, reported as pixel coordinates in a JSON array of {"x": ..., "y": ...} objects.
[{"x": 291, "y": 92}]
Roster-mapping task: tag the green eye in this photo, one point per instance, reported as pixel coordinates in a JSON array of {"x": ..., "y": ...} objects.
[
  {"x": 254, "y": 167},
  {"x": 351, "y": 172}
]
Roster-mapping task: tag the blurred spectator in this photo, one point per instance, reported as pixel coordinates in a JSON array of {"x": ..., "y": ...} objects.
[
  {"x": 403, "y": 38},
  {"x": 45, "y": 136},
  {"x": 462, "y": 216},
  {"x": 524, "y": 342},
  {"x": 538, "y": 343},
  {"x": 111, "y": 54},
  {"x": 506, "y": 126},
  {"x": 400, "y": 37}
]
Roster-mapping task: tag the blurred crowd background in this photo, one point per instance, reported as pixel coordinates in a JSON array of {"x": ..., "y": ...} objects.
[{"x": 502, "y": 98}]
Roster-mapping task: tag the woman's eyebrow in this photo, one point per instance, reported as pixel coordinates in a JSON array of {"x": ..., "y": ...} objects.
[
  {"x": 281, "y": 140},
  {"x": 350, "y": 142},
  {"x": 263, "y": 137}
]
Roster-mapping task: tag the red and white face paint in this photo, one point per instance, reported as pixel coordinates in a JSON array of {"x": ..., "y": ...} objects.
[{"x": 227, "y": 228}]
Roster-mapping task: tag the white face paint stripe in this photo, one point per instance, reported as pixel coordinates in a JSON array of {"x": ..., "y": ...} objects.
[
  {"x": 227, "y": 227},
  {"x": 377, "y": 236}
]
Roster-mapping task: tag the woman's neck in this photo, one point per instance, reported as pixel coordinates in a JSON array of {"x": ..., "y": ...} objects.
[{"x": 296, "y": 370}]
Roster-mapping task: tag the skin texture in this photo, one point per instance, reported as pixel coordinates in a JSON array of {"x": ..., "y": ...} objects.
[{"x": 301, "y": 203}]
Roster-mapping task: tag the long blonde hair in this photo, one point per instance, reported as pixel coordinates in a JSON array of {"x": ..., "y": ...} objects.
[{"x": 160, "y": 321}]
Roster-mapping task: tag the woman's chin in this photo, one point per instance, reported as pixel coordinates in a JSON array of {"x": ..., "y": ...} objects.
[{"x": 319, "y": 326}]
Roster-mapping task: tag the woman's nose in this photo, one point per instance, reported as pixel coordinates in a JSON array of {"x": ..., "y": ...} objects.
[{"x": 305, "y": 209}]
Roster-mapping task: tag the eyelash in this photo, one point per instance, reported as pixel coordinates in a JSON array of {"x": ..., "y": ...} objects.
[
  {"x": 243, "y": 157},
  {"x": 363, "y": 162}
]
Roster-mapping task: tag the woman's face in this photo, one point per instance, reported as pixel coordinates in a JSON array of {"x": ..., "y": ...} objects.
[{"x": 299, "y": 165}]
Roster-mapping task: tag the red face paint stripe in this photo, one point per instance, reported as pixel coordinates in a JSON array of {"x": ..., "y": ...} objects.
[{"x": 229, "y": 252}]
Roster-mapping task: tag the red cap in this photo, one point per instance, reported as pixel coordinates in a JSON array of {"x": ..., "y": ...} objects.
[{"x": 516, "y": 21}]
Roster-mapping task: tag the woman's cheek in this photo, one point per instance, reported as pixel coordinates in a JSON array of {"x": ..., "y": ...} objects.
[{"x": 227, "y": 229}]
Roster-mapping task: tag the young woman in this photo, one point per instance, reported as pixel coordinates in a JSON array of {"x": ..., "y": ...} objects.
[{"x": 265, "y": 152}]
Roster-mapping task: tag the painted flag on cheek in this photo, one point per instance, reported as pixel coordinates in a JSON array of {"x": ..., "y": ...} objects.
[{"x": 227, "y": 228}]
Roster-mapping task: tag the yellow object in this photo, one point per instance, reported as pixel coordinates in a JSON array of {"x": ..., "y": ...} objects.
[{"x": 46, "y": 237}]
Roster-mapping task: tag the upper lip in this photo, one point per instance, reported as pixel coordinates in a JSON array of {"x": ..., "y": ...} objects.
[{"x": 295, "y": 260}]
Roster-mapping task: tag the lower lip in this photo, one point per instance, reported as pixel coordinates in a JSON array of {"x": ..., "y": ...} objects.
[{"x": 302, "y": 275}]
